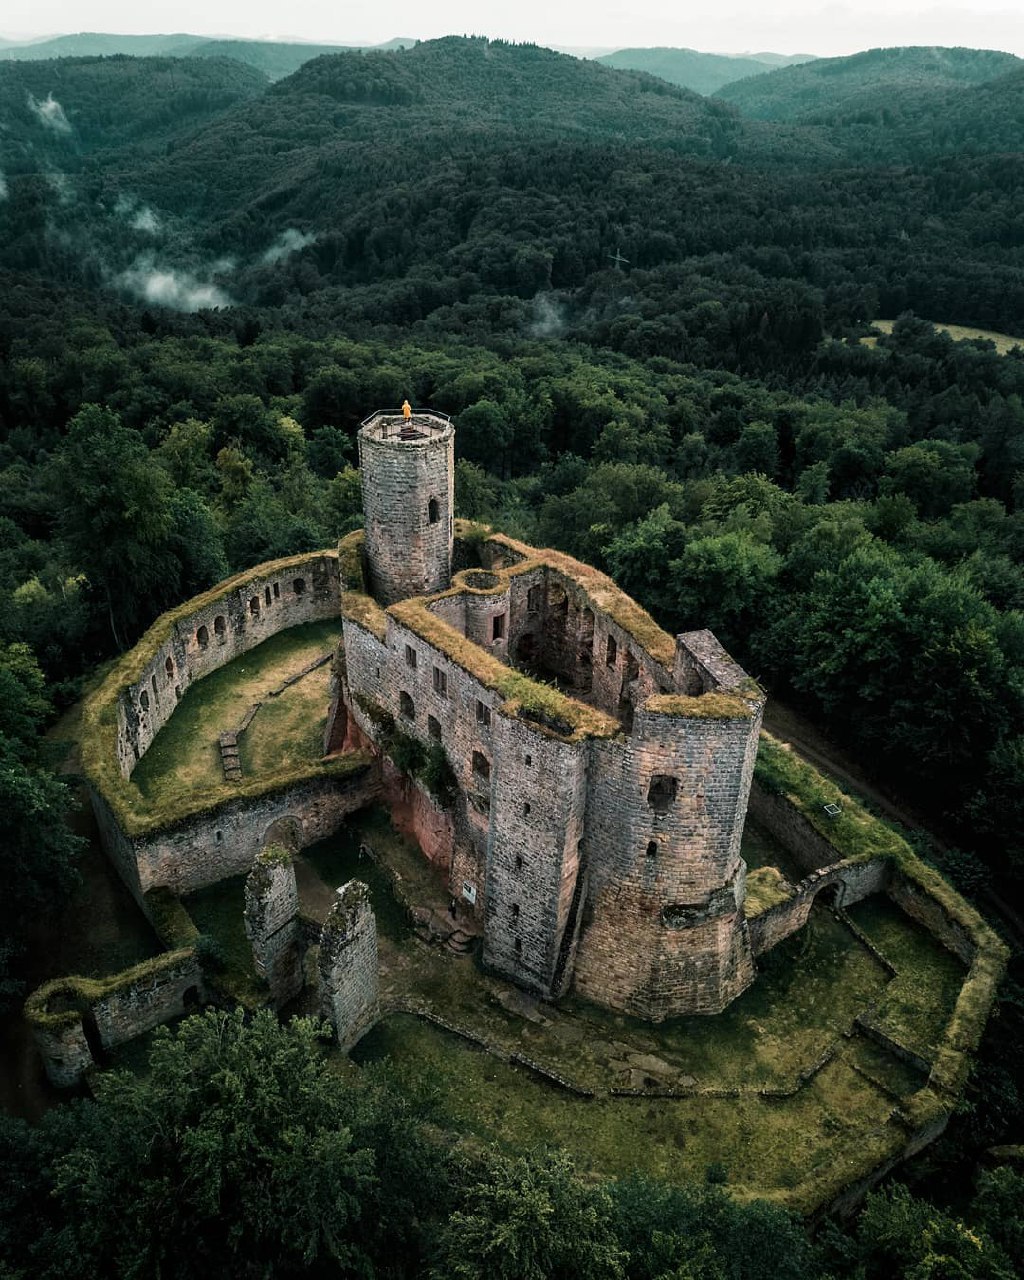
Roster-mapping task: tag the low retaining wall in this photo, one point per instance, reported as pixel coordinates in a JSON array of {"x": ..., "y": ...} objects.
[
  {"x": 851, "y": 881},
  {"x": 72, "y": 1018},
  {"x": 858, "y": 850}
]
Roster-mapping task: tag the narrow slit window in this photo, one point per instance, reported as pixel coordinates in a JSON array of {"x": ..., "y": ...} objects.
[
  {"x": 440, "y": 682},
  {"x": 611, "y": 652},
  {"x": 433, "y": 511},
  {"x": 483, "y": 714},
  {"x": 266, "y": 595},
  {"x": 277, "y": 591},
  {"x": 498, "y": 627}
]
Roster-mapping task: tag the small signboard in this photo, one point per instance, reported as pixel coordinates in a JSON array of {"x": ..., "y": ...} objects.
[{"x": 469, "y": 892}]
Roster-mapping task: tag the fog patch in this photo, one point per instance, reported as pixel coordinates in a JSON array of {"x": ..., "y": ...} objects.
[
  {"x": 176, "y": 290},
  {"x": 50, "y": 113},
  {"x": 3, "y": 186},
  {"x": 140, "y": 217},
  {"x": 289, "y": 241},
  {"x": 548, "y": 318}
]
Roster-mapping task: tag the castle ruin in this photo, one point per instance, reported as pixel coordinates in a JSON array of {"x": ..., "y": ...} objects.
[{"x": 600, "y": 771}]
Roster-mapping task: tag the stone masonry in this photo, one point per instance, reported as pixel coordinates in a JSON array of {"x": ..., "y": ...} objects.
[
  {"x": 349, "y": 978},
  {"x": 272, "y": 923},
  {"x": 596, "y": 825}
]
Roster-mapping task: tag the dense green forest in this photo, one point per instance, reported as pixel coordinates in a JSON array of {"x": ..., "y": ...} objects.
[{"x": 207, "y": 281}]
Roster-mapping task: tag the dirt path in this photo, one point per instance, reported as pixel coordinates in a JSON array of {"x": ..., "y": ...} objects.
[{"x": 816, "y": 747}]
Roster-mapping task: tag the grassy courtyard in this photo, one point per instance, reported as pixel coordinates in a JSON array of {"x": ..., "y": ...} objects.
[
  {"x": 287, "y": 731},
  {"x": 779, "y": 1088}
]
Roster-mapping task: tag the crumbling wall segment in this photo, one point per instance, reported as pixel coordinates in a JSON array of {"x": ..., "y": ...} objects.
[{"x": 348, "y": 967}]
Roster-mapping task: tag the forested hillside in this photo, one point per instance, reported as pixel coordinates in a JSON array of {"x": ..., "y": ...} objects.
[
  {"x": 646, "y": 311},
  {"x": 826, "y": 87},
  {"x": 57, "y": 113}
]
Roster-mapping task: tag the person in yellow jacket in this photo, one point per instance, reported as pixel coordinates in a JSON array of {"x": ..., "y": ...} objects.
[{"x": 406, "y": 410}]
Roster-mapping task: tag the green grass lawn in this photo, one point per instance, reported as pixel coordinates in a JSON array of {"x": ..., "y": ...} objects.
[
  {"x": 287, "y": 731},
  {"x": 918, "y": 1002}
]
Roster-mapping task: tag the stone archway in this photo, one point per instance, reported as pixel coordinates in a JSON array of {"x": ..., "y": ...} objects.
[{"x": 286, "y": 831}]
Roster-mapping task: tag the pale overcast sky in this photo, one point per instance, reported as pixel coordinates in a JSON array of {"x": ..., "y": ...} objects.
[{"x": 784, "y": 26}]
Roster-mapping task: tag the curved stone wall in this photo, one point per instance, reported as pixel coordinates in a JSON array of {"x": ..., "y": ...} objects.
[{"x": 212, "y": 630}]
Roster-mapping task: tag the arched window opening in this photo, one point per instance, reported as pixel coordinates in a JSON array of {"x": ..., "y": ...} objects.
[
  {"x": 652, "y": 849},
  {"x": 434, "y": 728},
  {"x": 433, "y": 511},
  {"x": 299, "y": 586},
  {"x": 254, "y": 606},
  {"x": 202, "y": 637},
  {"x": 220, "y": 626},
  {"x": 144, "y": 700},
  {"x": 406, "y": 705}
]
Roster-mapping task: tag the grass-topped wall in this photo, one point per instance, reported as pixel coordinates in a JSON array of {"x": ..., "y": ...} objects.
[
  {"x": 194, "y": 646},
  {"x": 856, "y": 836}
]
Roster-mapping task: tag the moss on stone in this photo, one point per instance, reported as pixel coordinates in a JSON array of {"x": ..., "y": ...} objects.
[
  {"x": 350, "y": 561},
  {"x": 523, "y": 696},
  {"x": 98, "y": 746},
  {"x": 601, "y": 592},
  {"x": 858, "y": 836},
  {"x": 173, "y": 924},
  {"x": 274, "y": 855},
  {"x": 78, "y": 994},
  {"x": 705, "y": 706},
  {"x": 766, "y": 888},
  {"x": 363, "y": 610}
]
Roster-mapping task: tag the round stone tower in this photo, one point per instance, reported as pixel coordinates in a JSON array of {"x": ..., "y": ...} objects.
[{"x": 408, "y": 475}]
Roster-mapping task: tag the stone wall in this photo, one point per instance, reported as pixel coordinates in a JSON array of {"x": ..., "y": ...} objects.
[
  {"x": 220, "y": 627},
  {"x": 664, "y": 824},
  {"x": 73, "y": 1017},
  {"x": 924, "y": 907},
  {"x": 349, "y": 975},
  {"x": 558, "y": 840},
  {"x": 787, "y": 824},
  {"x": 223, "y": 842},
  {"x": 850, "y": 881},
  {"x": 272, "y": 923}
]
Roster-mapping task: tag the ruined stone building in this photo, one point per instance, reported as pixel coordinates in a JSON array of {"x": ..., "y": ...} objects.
[{"x": 598, "y": 772}]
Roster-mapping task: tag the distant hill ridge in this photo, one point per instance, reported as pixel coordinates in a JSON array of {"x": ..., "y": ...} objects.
[
  {"x": 704, "y": 73},
  {"x": 827, "y": 88},
  {"x": 276, "y": 59}
]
